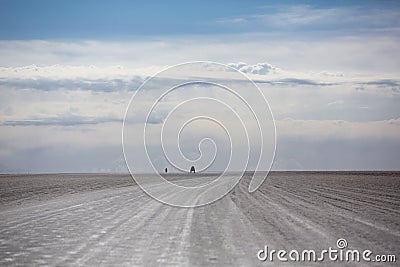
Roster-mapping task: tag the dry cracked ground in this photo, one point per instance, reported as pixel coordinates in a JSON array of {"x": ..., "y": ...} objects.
[{"x": 105, "y": 219}]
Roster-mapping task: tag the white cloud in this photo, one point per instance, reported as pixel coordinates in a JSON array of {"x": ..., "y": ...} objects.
[
  {"x": 92, "y": 86},
  {"x": 300, "y": 15},
  {"x": 60, "y": 107},
  {"x": 257, "y": 69},
  {"x": 91, "y": 77},
  {"x": 63, "y": 72},
  {"x": 65, "y": 94},
  {"x": 369, "y": 53},
  {"x": 308, "y": 17}
]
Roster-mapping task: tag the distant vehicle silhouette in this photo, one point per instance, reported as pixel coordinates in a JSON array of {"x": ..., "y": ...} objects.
[
  {"x": 166, "y": 170},
  {"x": 192, "y": 169}
]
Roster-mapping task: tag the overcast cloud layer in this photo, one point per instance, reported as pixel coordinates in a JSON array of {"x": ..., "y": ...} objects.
[{"x": 334, "y": 89}]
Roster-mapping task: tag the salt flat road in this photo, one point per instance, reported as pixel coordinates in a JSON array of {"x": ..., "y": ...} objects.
[{"x": 124, "y": 226}]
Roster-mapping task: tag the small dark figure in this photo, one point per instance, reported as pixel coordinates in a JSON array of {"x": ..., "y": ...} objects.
[
  {"x": 166, "y": 170},
  {"x": 192, "y": 169}
]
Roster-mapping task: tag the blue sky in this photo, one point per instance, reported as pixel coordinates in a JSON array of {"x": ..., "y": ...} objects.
[
  {"x": 329, "y": 69},
  {"x": 66, "y": 20}
]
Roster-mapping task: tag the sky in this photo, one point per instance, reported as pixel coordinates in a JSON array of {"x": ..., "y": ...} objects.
[{"x": 329, "y": 70}]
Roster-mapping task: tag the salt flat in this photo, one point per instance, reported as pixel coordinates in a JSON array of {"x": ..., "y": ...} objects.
[{"x": 104, "y": 219}]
